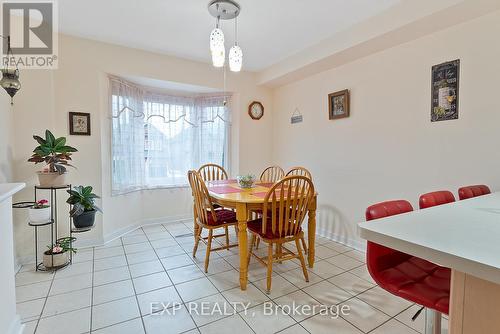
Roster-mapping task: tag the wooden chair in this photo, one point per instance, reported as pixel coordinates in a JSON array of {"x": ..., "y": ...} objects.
[
  {"x": 272, "y": 174},
  {"x": 285, "y": 208},
  {"x": 299, "y": 171},
  {"x": 207, "y": 217},
  {"x": 212, "y": 172}
]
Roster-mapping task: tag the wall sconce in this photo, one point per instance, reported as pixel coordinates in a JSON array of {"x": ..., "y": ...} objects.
[{"x": 10, "y": 76}]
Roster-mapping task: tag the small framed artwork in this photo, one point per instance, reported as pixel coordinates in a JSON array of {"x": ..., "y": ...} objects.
[
  {"x": 445, "y": 86},
  {"x": 338, "y": 104},
  {"x": 79, "y": 123}
]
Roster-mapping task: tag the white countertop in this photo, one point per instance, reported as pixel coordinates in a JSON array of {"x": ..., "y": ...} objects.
[
  {"x": 9, "y": 189},
  {"x": 464, "y": 235}
]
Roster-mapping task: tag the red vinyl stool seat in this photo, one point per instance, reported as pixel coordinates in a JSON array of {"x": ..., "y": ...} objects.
[
  {"x": 404, "y": 275},
  {"x": 473, "y": 191},
  {"x": 436, "y": 198}
]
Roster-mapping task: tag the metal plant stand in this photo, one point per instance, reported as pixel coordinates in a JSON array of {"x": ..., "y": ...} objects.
[{"x": 54, "y": 217}]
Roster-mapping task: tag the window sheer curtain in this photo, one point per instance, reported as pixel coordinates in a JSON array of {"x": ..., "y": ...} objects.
[{"x": 157, "y": 138}]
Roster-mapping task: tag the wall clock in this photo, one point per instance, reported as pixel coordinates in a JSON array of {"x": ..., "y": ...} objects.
[{"x": 256, "y": 110}]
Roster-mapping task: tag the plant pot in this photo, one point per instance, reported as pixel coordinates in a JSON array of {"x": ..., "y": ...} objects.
[
  {"x": 39, "y": 216},
  {"x": 59, "y": 259},
  {"x": 51, "y": 179},
  {"x": 85, "y": 220}
]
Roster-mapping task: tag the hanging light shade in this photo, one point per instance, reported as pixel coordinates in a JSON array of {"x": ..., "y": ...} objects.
[
  {"x": 10, "y": 76},
  {"x": 235, "y": 58},
  {"x": 219, "y": 57},
  {"x": 216, "y": 39}
]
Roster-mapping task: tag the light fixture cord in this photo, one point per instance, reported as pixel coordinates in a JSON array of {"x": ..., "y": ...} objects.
[{"x": 236, "y": 30}]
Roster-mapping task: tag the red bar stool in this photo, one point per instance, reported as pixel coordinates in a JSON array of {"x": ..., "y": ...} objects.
[
  {"x": 473, "y": 191},
  {"x": 404, "y": 275},
  {"x": 435, "y": 198}
]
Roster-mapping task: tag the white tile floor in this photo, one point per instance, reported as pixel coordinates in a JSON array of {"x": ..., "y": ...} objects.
[{"x": 110, "y": 289}]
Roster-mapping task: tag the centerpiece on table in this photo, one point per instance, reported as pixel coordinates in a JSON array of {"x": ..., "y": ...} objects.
[
  {"x": 55, "y": 154},
  {"x": 83, "y": 208},
  {"x": 39, "y": 213},
  {"x": 246, "y": 181},
  {"x": 57, "y": 254}
]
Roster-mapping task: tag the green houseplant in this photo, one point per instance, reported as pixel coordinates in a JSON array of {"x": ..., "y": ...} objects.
[
  {"x": 83, "y": 208},
  {"x": 56, "y": 155},
  {"x": 57, "y": 254}
]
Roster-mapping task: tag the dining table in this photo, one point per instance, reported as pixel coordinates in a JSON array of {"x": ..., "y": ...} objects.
[{"x": 228, "y": 194}]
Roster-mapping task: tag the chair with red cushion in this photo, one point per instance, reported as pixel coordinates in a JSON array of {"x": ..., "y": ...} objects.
[
  {"x": 207, "y": 217},
  {"x": 404, "y": 275},
  {"x": 285, "y": 208},
  {"x": 473, "y": 191},
  {"x": 436, "y": 198}
]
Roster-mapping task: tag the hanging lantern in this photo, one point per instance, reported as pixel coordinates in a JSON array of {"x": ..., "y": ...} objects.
[
  {"x": 10, "y": 76},
  {"x": 219, "y": 57},
  {"x": 216, "y": 39},
  {"x": 235, "y": 58}
]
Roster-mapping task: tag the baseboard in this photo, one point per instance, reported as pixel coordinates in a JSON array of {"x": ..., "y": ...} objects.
[
  {"x": 353, "y": 243},
  {"x": 96, "y": 242},
  {"x": 16, "y": 327}
]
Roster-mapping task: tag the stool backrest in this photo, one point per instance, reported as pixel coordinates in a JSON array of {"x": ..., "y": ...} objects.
[
  {"x": 272, "y": 174},
  {"x": 299, "y": 171},
  {"x": 202, "y": 203},
  {"x": 212, "y": 172},
  {"x": 379, "y": 257},
  {"x": 473, "y": 191},
  {"x": 286, "y": 205},
  {"x": 435, "y": 198}
]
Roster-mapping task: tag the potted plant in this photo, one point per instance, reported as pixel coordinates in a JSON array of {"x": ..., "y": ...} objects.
[
  {"x": 39, "y": 212},
  {"x": 57, "y": 254},
  {"x": 56, "y": 154},
  {"x": 83, "y": 201}
]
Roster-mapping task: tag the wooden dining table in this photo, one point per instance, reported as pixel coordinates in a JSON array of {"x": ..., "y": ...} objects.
[{"x": 228, "y": 194}]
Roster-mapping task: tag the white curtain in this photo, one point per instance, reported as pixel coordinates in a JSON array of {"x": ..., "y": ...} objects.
[{"x": 157, "y": 137}]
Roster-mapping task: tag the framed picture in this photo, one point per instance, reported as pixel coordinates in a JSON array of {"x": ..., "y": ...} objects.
[
  {"x": 338, "y": 104},
  {"x": 79, "y": 123},
  {"x": 444, "y": 86}
]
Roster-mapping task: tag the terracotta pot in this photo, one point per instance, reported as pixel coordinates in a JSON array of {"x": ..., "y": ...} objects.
[
  {"x": 51, "y": 179},
  {"x": 39, "y": 216},
  {"x": 59, "y": 259}
]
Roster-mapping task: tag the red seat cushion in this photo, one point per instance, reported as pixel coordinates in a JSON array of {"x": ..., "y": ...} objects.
[
  {"x": 419, "y": 281},
  {"x": 224, "y": 216},
  {"x": 436, "y": 198},
  {"x": 473, "y": 191},
  {"x": 256, "y": 227}
]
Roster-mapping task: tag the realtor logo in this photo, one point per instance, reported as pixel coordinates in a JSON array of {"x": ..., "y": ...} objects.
[{"x": 32, "y": 28}]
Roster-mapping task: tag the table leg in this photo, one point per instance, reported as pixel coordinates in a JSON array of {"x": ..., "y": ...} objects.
[
  {"x": 242, "y": 216},
  {"x": 311, "y": 232}
]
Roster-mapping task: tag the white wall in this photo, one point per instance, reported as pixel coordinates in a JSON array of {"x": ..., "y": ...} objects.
[
  {"x": 80, "y": 84},
  {"x": 5, "y": 137},
  {"x": 388, "y": 148}
]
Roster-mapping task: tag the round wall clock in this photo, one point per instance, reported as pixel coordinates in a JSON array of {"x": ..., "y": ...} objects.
[{"x": 256, "y": 110}]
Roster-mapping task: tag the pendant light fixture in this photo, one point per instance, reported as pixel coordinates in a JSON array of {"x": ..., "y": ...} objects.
[
  {"x": 235, "y": 54},
  {"x": 10, "y": 76},
  {"x": 224, "y": 10}
]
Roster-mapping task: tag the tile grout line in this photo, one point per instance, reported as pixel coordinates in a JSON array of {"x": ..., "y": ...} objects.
[
  {"x": 173, "y": 284},
  {"x": 92, "y": 291},
  {"x": 133, "y": 287}
]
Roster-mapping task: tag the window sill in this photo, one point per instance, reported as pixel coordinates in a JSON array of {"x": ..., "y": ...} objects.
[{"x": 125, "y": 192}]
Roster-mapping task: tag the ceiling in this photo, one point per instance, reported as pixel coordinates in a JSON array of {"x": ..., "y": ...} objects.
[{"x": 269, "y": 30}]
